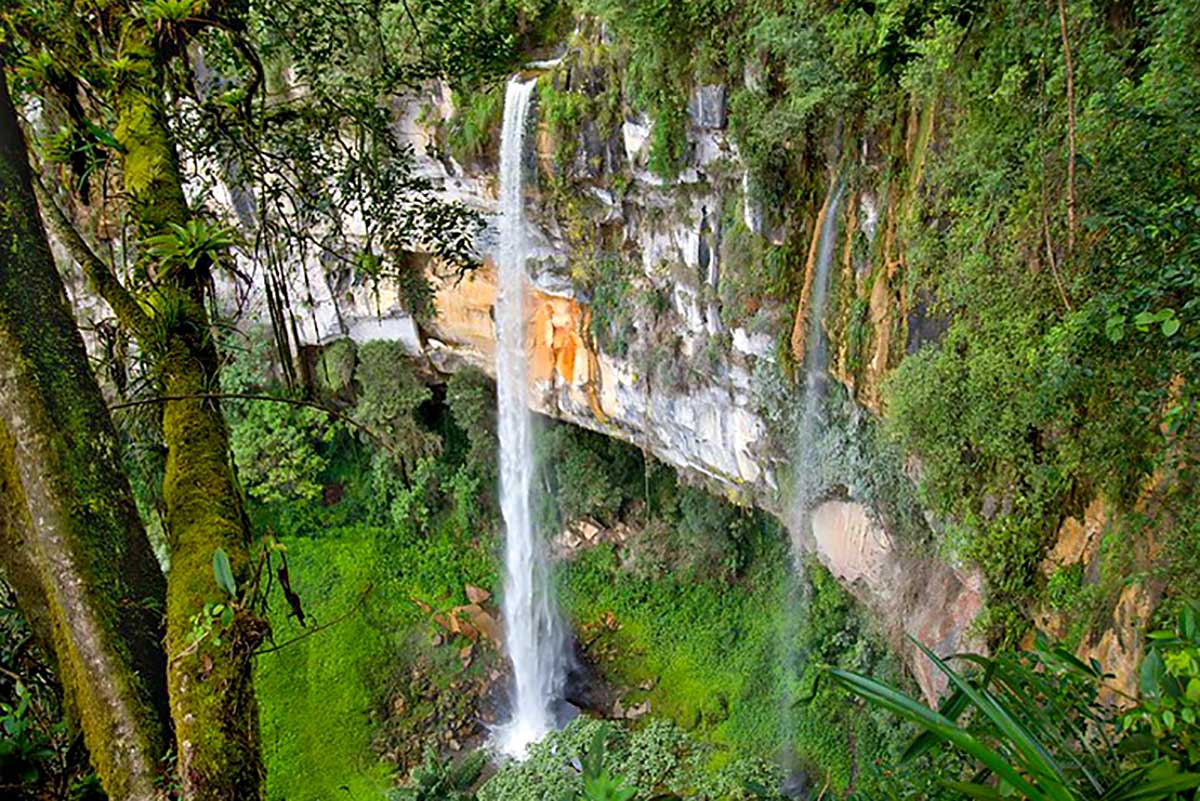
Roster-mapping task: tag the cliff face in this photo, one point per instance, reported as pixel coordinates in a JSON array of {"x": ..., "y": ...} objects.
[{"x": 644, "y": 325}]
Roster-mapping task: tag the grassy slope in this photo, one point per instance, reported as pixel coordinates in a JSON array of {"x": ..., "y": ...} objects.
[
  {"x": 713, "y": 652},
  {"x": 316, "y": 695}
]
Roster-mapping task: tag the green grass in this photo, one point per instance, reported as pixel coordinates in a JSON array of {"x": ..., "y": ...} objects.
[
  {"x": 713, "y": 653},
  {"x": 316, "y": 694}
]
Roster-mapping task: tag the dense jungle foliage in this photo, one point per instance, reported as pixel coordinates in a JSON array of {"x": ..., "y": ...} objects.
[
  {"x": 1045, "y": 211},
  {"x": 328, "y": 515}
]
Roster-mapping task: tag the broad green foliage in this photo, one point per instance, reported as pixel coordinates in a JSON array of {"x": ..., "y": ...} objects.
[
  {"x": 712, "y": 653},
  {"x": 1166, "y": 722},
  {"x": 440, "y": 779},
  {"x": 471, "y": 398},
  {"x": 657, "y": 760},
  {"x": 589, "y": 475},
  {"x": 1042, "y": 396},
  {"x": 279, "y": 448},
  {"x": 1032, "y": 726},
  {"x": 390, "y": 397},
  {"x": 185, "y": 248}
]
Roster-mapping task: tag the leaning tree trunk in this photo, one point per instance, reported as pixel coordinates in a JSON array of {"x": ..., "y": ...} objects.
[
  {"x": 73, "y": 544},
  {"x": 210, "y": 684}
]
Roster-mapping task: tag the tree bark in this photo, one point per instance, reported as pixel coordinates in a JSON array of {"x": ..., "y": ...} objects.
[
  {"x": 82, "y": 563},
  {"x": 210, "y": 686}
]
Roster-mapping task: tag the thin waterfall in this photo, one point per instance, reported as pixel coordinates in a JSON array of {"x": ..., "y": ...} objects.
[
  {"x": 807, "y": 480},
  {"x": 534, "y": 638}
]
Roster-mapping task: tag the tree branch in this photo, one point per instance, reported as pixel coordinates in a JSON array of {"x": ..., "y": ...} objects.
[
  {"x": 1066, "y": 43},
  {"x": 256, "y": 397},
  {"x": 98, "y": 273}
]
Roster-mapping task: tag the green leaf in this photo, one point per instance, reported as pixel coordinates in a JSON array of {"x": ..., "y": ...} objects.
[
  {"x": 909, "y": 709},
  {"x": 1036, "y": 759},
  {"x": 951, "y": 708},
  {"x": 1193, "y": 689},
  {"x": 1170, "y": 326},
  {"x": 1152, "y": 673},
  {"x": 1160, "y": 783},
  {"x": 223, "y": 572},
  {"x": 1114, "y": 328}
]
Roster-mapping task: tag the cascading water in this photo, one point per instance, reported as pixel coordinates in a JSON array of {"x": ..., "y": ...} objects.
[
  {"x": 807, "y": 478},
  {"x": 533, "y": 634},
  {"x": 807, "y": 470}
]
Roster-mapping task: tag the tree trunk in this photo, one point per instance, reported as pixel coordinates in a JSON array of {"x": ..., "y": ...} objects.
[
  {"x": 210, "y": 685},
  {"x": 82, "y": 564}
]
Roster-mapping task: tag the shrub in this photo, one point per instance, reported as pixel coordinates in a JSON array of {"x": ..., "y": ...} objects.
[
  {"x": 390, "y": 399},
  {"x": 279, "y": 450},
  {"x": 658, "y": 760}
]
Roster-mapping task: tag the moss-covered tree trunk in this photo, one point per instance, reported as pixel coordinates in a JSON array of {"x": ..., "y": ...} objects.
[
  {"x": 74, "y": 546},
  {"x": 210, "y": 686}
]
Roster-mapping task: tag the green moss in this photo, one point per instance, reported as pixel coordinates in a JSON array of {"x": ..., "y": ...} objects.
[
  {"x": 317, "y": 694},
  {"x": 150, "y": 165},
  {"x": 712, "y": 650},
  {"x": 336, "y": 680}
]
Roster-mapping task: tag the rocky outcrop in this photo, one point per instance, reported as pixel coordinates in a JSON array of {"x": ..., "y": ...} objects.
[
  {"x": 634, "y": 330},
  {"x": 923, "y": 598},
  {"x": 1120, "y": 643}
]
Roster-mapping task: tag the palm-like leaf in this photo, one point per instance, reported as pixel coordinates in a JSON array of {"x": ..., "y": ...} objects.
[{"x": 1037, "y": 728}]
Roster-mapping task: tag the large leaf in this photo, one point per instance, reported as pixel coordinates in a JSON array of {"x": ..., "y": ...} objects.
[
  {"x": 972, "y": 790},
  {"x": 925, "y": 717},
  {"x": 1037, "y": 760},
  {"x": 223, "y": 573},
  {"x": 1159, "y": 780},
  {"x": 951, "y": 708}
]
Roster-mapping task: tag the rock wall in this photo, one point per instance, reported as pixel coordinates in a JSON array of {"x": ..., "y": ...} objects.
[
  {"x": 701, "y": 391},
  {"x": 671, "y": 364}
]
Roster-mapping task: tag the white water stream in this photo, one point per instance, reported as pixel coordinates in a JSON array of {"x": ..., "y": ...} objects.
[
  {"x": 807, "y": 480},
  {"x": 534, "y": 638}
]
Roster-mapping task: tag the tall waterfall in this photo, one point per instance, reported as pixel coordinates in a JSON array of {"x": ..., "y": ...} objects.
[
  {"x": 807, "y": 477},
  {"x": 534, "y": 637},
  {"x": 807, "y": 464}
]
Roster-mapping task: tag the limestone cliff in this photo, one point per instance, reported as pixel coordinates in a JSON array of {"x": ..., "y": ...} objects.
[{"x": 645, "y": 326}]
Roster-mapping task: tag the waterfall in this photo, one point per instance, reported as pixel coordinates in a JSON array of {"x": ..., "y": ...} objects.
[
  {"x": 534, "y": 637},
  {"x": 807, "y": 468},
  {"x": 807, "y": 478}
]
